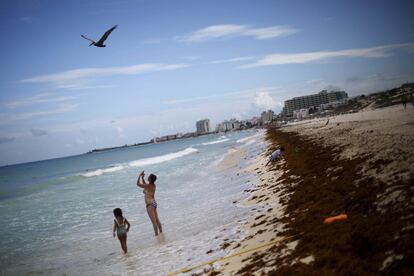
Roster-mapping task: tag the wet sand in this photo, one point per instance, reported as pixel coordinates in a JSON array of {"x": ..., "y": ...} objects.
[
  {"x": 359, "y": 164},
  {"x": 232, "y": 159}
]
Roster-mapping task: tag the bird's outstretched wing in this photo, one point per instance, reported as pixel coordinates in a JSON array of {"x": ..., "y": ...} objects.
[
  {"x": 91, "y": 40},
  {"x": 106, "y": 34}
]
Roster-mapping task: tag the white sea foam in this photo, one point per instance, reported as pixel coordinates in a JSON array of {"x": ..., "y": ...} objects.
[
  {"x": 162, "y": 158},
  {"x": 246, "y": 139},
  {"x": 242, "y": 140},
  {"x": 252, "y": 141},
  {"x": 215, "y": 142},
  {"x": 102, "y": 171}
]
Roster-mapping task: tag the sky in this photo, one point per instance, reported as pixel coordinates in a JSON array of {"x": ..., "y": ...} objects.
[{"x": 171, "y": 63}]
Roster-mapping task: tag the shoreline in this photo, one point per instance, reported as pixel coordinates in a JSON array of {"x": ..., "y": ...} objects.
[
  {"x": 358, "y": 164},
  {"x": 233, "y": 166},
  {"x": 267, "y": 209},
  {"x": 193, "y": 204}
]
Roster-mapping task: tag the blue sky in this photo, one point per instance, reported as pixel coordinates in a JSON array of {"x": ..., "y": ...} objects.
[{"x": 170, "y": 63}]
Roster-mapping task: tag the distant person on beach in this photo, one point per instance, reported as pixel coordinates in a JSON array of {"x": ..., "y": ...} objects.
[
  {"x": 276, "y": 155},
  {"x": 404, "y": 100},
  {"x": 121, "y": 227},
  {"x": 149, "y": 191}
]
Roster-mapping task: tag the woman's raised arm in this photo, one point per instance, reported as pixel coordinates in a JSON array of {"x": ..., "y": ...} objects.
[{"x": 141, "y": 177}]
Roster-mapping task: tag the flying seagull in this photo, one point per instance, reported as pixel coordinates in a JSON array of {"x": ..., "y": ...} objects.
[{"x": 100, "y": 42}]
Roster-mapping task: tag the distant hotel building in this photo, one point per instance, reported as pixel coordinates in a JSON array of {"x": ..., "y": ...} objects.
[
  {"x": 229, "y": 125},
  {"x": 267, "y": 117},
  {"x": 314, "y": 100},
  {"x": 203, "y": 126}
]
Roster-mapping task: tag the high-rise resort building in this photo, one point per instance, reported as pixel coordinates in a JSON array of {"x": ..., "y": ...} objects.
[
  {"x": 203, "y": 126},
  {"x": 267, "y": 117},
  {"x": 314, "y": 100}
]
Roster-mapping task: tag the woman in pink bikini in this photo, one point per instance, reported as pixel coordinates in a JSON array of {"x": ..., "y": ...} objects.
[{"x": 149, "y": 191}]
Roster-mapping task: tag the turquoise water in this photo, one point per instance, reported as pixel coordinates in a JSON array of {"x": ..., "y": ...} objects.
[{"x": 57, "y": 214}]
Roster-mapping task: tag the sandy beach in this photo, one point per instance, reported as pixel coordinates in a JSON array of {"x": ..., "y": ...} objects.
[{"x": 356, "y": 164}]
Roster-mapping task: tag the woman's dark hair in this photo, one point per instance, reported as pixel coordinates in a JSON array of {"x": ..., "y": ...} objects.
[
  {"x": 282, "y": 149},
  {"x": 152, "y": 177},
  {"x": 118, "y": 212}
]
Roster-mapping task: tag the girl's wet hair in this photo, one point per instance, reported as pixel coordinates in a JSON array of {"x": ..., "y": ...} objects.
[
  {"x": 152, "y": 177},
  {"x": 118, "y": 212}
]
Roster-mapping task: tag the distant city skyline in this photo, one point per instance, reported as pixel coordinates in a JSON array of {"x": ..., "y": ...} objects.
[{"x": 171, "y": 62}]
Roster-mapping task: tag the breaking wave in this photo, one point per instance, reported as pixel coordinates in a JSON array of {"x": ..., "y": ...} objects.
[
  {"x": 162, "y": 158},
  {"x": 215, "y": 142},
  {"x": 102, "y": 171}
]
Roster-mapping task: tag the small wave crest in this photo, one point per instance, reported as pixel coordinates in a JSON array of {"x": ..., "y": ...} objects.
[
  {"x": 162, "y": 158},
  {"x": 242, "y": 140},
  {"x": 246, "y": 139},
  {"x": 252, "y": 141},
  {"x": 102, "y": 171},
  {"x": 215, "y": 142}
]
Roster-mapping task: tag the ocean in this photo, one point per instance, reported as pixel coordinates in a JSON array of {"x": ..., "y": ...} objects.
[{"x": 56, "y": 215}]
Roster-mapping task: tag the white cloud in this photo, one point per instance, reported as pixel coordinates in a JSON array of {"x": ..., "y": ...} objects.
[
  {"x": 264, "y": 100},
  {"x": 80, "y": 77},
  {"x": 237, "y": 59},
  {"x": 37, "y": 99},
  {"x": 233, "y": 30},
  {"x": 373, "y": 52}
]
